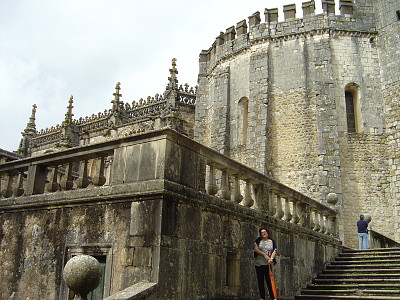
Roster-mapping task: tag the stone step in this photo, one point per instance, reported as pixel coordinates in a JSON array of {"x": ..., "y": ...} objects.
[
  {"x": 369, "y": 258},
  {"x": 369, "y": 254},
  {"x": 360, "y": 276},
  {"x": 364, "y": 297},
  {"x": 355, "y": 281},
  {"x": 361, "y": 267},
  {"x": 354, "y": 297},
  {"x": 379, "y": 250},
  {"x": 354, "y": 271},
  {"x": 352, "y": 292},
  {"x": 377, "y": 262},
  {"x": 380, "y": 286}
]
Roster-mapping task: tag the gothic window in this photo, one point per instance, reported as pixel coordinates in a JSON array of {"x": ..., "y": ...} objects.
[
  {"x": 243, "y": 120},
  {"x": 352, "y": 108},
  {"x": 351, "y": 121}
]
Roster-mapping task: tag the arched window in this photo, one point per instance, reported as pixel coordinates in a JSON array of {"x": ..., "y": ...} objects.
[
  {"x": 243, "y": 120},
  {"x": 353, "y": 112}
]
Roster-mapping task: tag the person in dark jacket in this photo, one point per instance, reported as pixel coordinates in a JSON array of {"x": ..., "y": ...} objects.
[
  {"x": 264, "y": 255},
  {"x": 362, "y": 227}
]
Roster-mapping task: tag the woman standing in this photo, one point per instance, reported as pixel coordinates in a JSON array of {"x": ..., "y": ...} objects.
[{"x": 264, "y": 255}]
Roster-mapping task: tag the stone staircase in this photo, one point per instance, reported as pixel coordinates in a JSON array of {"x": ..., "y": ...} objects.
[{"x": 358, "y": 274}]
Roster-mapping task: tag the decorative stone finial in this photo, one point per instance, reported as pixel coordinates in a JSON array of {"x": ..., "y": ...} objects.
[
  {"x": 82, "y": 274},
  {"x": 31, "y": 124},
  {"x": 173, "y": 80},
  {"x": 117, "y": 97},
  {"x": 28, "y": 133},
  {"x": 69, "y": 114}
]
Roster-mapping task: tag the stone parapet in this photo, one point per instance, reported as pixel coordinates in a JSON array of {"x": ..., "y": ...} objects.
[{"x": 150, "y": 157}]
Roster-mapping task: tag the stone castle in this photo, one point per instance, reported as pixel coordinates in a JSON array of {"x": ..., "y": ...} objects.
[
  {"x": 313, "y": 103},
  {"x": 294, "y": 124}
]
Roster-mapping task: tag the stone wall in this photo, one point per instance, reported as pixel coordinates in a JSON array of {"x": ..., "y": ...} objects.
[
  {"x": 388, "y": 42},
  {"x": 366, "y": 182},
  {"x": 209, "y": 252},
  {"x": 154, "y": 221}
]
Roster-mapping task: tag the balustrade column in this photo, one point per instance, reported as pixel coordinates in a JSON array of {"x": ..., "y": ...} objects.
[
  {"x": 259, "y": 192},
  {"x": 322, "y": 222},
  {"x": 305, "y": 215},
  {"x": 332, "y": 226},
  {"x": 279, "y": 212},
  {"x": 288, "y": 215},
  {"x": 236, "y": 196},
  {"x": 212, "y": 187},
  {"x": 100, "y": 179},
  {"x": 296, "y": 217},
  {"x": 271, "y": 202},
  {"x": 19, "y": 190},
  {"x": 225, "y": 192},
  {"x": 312, "y": 219},
  {"x": 8, "y": 192},
  {"x": 317, "y": 226},
  {"x": 36, "y": 180},
  {"x": 53, "y": 185},
  {"x": 248, "y": 200},
  {"x": 82, "y": 181},
  {"x": 67, "y": 183}
]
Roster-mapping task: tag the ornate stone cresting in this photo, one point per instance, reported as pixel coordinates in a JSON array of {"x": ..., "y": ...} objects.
[
  {"x": 172, "y": 109},
  {"x": 173, "y": 80}
]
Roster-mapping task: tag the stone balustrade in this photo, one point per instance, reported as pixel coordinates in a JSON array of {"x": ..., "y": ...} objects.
[
  {"x": 59, "y": 171},
  {"x": 234, "y": 182},
  {"x": 83, "y": 167}
]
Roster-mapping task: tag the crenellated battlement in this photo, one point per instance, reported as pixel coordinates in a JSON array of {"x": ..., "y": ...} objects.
[{"x": 248, "y": 32}]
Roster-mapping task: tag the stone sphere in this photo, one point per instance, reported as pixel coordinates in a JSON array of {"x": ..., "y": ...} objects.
[
  {"x": 82, "y": 274},
  {"x": 332, "y": 198},
  {"x": 367, "y": 218}
]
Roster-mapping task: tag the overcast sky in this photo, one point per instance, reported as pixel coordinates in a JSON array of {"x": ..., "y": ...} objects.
[{"x": 52, "y": 49}]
